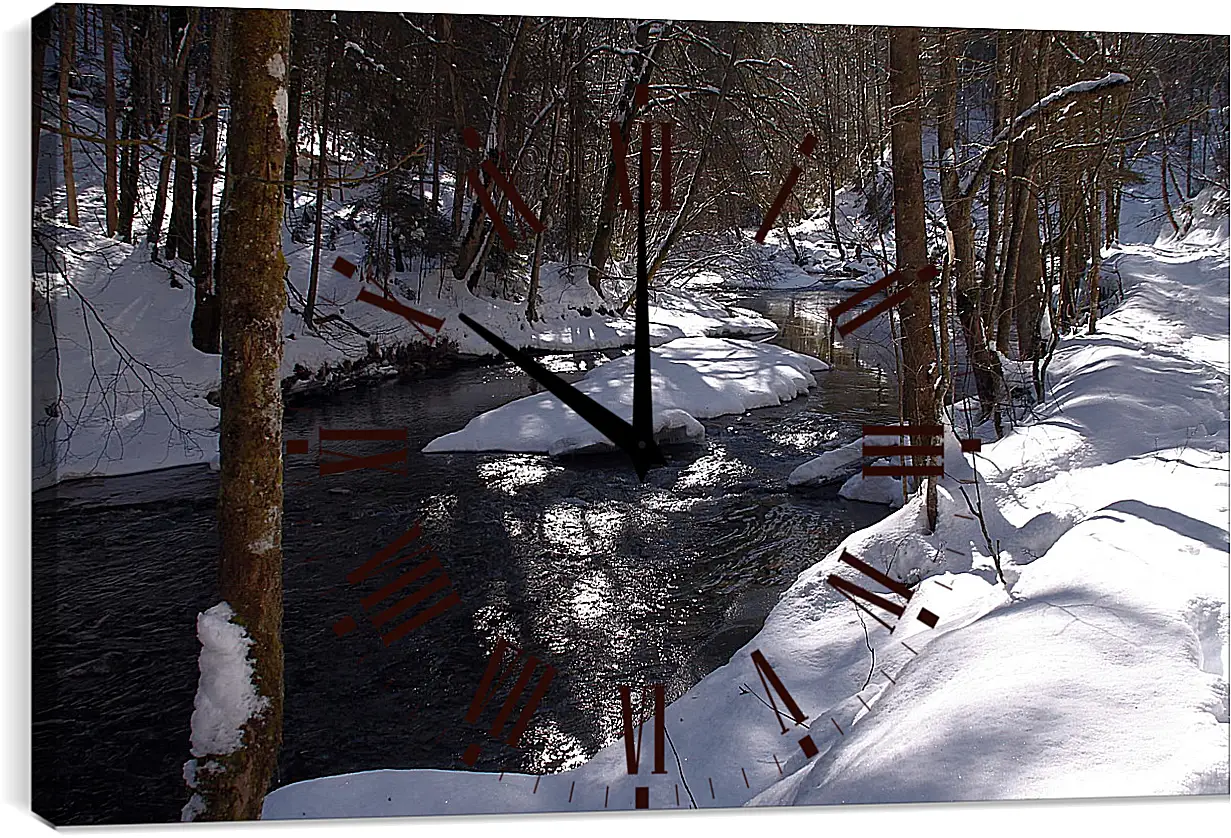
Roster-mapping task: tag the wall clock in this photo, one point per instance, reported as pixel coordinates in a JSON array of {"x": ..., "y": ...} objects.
[{"x": 405, "y": 584}]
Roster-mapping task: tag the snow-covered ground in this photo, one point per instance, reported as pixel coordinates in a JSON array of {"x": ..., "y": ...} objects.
[
  {"x": 1081, "y": 649},
  {"x": 691, "y": 379}
]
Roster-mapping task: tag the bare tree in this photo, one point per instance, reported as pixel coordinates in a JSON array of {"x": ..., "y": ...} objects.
[{"x": 206, "y": 335}]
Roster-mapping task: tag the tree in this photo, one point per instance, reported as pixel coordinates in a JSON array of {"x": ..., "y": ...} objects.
[
  {"x": 135, "y": 114},
  {"x": 322, "y": 173},
  {"x": 68, "y": 38},
  {"x": 187, "y": 22},
  {"x": 910, "y": 234},
  {"x": 985, "y": 363},
  {"x": 109, "y": 180},
  {"x": 649, "y": 38},
  {"x": 41, "y": 37},
  {"x": 205, "y": 314},
  {"x": 232, "y": 786}
]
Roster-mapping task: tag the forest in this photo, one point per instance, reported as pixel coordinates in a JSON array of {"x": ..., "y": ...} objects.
[{"x": 209, "y": 145}]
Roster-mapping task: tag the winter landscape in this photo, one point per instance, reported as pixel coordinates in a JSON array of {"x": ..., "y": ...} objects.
[{"x": 927, "y": 328}]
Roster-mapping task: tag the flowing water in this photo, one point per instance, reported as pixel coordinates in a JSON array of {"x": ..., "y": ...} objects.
[{"x": 607, "y": 580}]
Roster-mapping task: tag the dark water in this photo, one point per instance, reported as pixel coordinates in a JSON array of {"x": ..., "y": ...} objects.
[{"x": 607, "y": 580}]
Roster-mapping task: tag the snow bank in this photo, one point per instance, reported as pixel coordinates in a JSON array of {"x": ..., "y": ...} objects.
[{"x": 692, "y": 379}]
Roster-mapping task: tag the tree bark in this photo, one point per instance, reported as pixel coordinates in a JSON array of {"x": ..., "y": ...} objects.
[
  {"x": 68, "y": 37},
  {"x": 910, "y": 233},
  {"x": 110, "y": 174},
  {"x": 232, "y": 786},
  {"x": 206, "y": 325}
]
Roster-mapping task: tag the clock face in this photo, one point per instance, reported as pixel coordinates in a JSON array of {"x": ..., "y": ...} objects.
[
  {"x": 408, "y": 595},
  {"x": 607, "y": 478}
]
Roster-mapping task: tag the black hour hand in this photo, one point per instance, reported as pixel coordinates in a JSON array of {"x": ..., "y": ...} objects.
[{"x": 640, "y": 447}]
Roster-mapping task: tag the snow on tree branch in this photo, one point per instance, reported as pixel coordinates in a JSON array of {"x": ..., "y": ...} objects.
[{"x": 1076, "y": 90}]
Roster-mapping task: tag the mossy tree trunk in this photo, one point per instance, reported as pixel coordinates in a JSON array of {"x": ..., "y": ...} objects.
[
  {"x": 250, "y": 490},
  {"x": 919, "y": 370}
]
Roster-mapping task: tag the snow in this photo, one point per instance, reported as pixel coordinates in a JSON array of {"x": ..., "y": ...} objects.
[
  {"x": 1081, "y": 649},
  {"x": 226, "y": 696},
  {"x": 691, "y": 379}
]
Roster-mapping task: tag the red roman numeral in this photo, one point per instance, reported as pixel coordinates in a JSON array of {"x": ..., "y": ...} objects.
[
  {"x": 632, "y": 752},
  {"x": 351, "y": 462},
  {"x": 849, "y": 590},
  {"x": 493, "y": 677},
  {"x": 380, "y": 561},
  {"x": 769, "y": 679}
]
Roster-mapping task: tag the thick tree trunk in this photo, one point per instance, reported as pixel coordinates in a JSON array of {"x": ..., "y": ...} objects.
[
  {"x": 232, "y": 786},
  {"x": 639, "y": 70},
  {"x": 184, "y": 39},
  {"x": 322, "y": 175},
  {"x": 41, "y": 37},
  {"x": 910, "y": 232},
  {"x": 68, "y": 37},
  {"x": 206, "y": 323}
]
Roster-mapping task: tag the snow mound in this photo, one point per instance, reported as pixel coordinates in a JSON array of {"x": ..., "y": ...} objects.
[{"x": 692, "y": 379}]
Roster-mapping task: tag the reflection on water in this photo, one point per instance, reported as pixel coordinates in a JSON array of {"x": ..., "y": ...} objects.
[{"x": 609, "y": 580}]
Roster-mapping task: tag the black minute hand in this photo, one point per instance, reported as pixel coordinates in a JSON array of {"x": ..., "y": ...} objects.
[{"x": 606, "y": 422}]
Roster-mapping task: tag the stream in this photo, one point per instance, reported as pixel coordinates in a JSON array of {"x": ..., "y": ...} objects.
[{"x": 607, "y": 580}]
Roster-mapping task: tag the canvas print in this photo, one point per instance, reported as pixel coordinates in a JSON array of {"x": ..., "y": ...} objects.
[{"x": 487, "y": 414}]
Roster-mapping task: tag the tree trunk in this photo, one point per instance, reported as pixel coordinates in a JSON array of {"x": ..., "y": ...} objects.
[
  {"x": 1029, "y": 275},
  {"x": 68, "y": 37},
  {"x": 206, "y": 327},
  {"x": 110, "y": 176},
  {"x": 459, "y": 123},
  {"x": 294, "y": 104},
  {"x": 38, "y": 51},
  {"x": 322, "y": 175},
  {"x": 536, "y": 261},
  {"x": 179, "y": 231},
  {"x": 984, "y": 363},
  {"x": 473, "y": 249},
  {"x": 134, "y": 119},
  {"x": 639, "y": 71},
  {"x": 910, "y": 232},
  {"x": 233, "y": 786},
  {"x": 164, "y": 169}
]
